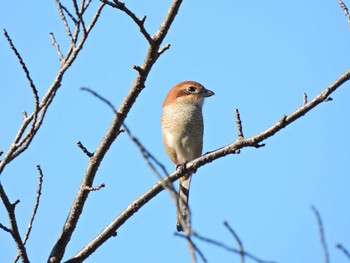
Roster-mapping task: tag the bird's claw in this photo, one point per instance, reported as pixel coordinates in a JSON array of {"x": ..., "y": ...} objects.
[{"x": 181, "y": 167}]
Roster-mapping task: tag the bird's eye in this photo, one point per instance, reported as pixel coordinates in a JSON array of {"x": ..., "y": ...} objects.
[{"x": 191, "y": 89}]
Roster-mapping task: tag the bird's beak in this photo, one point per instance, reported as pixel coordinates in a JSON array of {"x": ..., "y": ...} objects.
[{"x": 208, "y": 93}]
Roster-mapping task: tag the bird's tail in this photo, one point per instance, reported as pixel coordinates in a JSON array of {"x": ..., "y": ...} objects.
[{"x": 183, "y": 213}]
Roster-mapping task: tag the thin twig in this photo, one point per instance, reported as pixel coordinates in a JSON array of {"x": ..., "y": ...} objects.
[
  {"x": 229, "y": 249},
  {"x": 193, "y": 247},
  {"x": 322, "y": 235},
  {"x": 239, "y": 242},
  {"x": 31, "y": 84},
  {"x": 35, "y": 209},
  {"x": 239, "y": 124},
  {"x": 139, "y": 22},
  {"x": 83, "y": 148},
  {"x": 5, "y": 228},
  {"x": 344, "y": 250},
  {"x": 14, "y": 231},
  {"x": 345, "y": 10},
  {"x": 95, "y": 188},
  {"x": 304, "y": 98},
  {"x": 60, "y": 8},
  {"x": 55, "y": 44}
]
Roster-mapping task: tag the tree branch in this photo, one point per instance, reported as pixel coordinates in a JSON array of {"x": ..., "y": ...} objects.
[
  {"x": 232, "y": 148},
  {"x": 139, "y": 22},
  {"x": 345, "y": 10},
  {"x": 109, "y": 137},
  {"x": 10, "y": 208},
  {"x": 35, "y": 209},
  {"x": 21, "y": 142},
  {"x": 192, "y": 247},
  {"x": 322, "y": 235},
  {"x": 230, "y": 249},
  {"x": 344, "y": 250},
  {"x": 239, "y": 242}
]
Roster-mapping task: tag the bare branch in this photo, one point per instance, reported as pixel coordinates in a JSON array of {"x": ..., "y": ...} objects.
[
  {"x": 55, "y": 44},
  {"x": 5, "y": 228},
  {"x": 95, "y": 188},
  {"x": 104, "y": 100},
  {"x": 192, "y": 247},
  {"x": 322, "y": 236},
  {"x": 21, "y": 142},
  {"x": 207, "y": 158},
  {"x": 345, "y": 10},
  {"x": 36, "y": 205},
  {"x": 163, "y": 49},
  {"x": 139, "y": 22},
  {"x": 25, "y": 69},
  {"x": 83, "y": 148},
  {"x": 111, "y": 134},
  {"x": 304, "y": 98},
  {"x": 145, "y": 153},
  {"x": 344, "y": 250},
  {"x": 240, "y": 244},
  {"x": 10, "y": 208},
  {"x": 229, "y": 249},
  {"x": 35, "y": 209},
  {"x": 239, "y": 124},
  {"x": 33, "y": 88},
  {"x": 61, "y": 8}
]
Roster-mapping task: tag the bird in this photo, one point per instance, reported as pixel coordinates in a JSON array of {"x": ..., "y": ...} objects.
[{"x": 182, "y": 133}]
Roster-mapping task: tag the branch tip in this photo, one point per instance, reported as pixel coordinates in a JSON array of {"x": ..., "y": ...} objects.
[
  {"x": 163, "y": 49},
  {"x": 138, "y": 68},
  {"x": 259, "y": 145},
  {"x": 143, "y": 19},
  {"x": 94, "y": 188},
  {"x": 16, "y": 203},
  {"x": 239, "y": 124},
  {"x": 304, "y": 98},
  {"x": 83, "y": 148}
]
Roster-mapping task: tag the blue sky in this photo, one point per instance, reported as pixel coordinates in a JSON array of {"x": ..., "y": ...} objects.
[{"x": 257, "y": 56}]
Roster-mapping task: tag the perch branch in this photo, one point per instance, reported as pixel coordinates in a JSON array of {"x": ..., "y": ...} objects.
[{"x": 232, "y": 148}]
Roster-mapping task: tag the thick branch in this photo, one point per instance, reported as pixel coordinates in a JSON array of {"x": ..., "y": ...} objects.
[
  {"x": 232, "y": 148},
  {"x": 111, "y": 134}
]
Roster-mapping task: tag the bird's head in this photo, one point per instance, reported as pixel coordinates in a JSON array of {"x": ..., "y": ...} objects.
[{"x": 187, "y": 92}]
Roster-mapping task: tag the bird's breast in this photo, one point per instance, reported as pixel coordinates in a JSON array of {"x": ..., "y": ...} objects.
[{"x": 182, "y": 130}]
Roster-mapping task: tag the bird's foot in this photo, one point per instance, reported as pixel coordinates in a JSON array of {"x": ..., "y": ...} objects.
[{"x": 181, "y": 167}]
